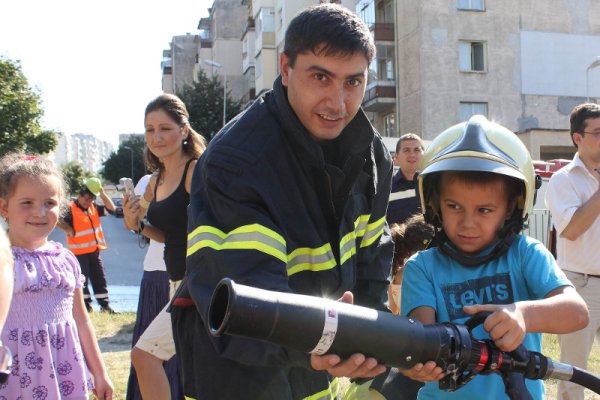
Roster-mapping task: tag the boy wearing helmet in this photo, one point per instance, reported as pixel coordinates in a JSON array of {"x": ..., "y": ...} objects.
[
  {"x": 477, "y": 186},
  {"x": 85, "y": 239}
]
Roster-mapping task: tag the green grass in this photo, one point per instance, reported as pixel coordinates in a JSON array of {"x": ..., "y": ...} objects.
[
  {"x": 114, "y": 337},
  {"x": 551, "y": 349}
]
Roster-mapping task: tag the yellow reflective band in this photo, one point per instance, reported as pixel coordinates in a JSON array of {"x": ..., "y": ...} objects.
[
  {"x": 328, "y": 394},
  {"x": 188, "y": 398},
  {"x": 373, "y": 232},
  {"x": 307, "y": 259},
  {"x": 360, "y": 224},
  {"x": 348, "y": 242},
  {"x": 247, "y": 237},
  {"x": 347, "y": 247}
]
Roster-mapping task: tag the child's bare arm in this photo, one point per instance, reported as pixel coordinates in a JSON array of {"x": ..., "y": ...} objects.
[
  {"x": 428, "y": 372},
  {"x": 561, "y": 311},
  {"x": 6, "y": 276},
  {"x": 103, "y": 387}
]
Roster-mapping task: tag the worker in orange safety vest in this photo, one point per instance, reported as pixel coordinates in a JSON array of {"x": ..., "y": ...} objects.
[{"x": 85, "y": 239}]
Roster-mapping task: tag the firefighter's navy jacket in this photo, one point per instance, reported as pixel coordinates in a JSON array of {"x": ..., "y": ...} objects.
[{"x": 269, "y": 211}]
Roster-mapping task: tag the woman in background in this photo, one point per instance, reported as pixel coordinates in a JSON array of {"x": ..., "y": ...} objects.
[
  {"x": 154, "y": 295},
  {"x": 172, "y": 148}
]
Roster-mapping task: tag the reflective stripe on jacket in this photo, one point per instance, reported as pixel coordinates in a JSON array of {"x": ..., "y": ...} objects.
[{"x": 88, "y": 231}]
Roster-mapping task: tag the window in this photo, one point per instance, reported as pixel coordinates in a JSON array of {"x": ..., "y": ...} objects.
[
  {"x": 383, "y": 67},
  {"x": 478, "y": 5},
  {"x": 266, "y": 20},
  {"x": 471, "y": 56},
  {"x": 385, "y": 12},
  {"x": 467, "y": 110},
  {"x": 366, "y": 11}
]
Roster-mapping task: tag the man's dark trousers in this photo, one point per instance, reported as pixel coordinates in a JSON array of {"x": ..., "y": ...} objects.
[{"x": 93, "y": 270}]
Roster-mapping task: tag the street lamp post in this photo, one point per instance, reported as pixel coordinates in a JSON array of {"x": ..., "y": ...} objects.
[
  {"x": 218, "y": 65},
  {"x": 594, "y": 64},
  {"x": 131, "y": 150}
]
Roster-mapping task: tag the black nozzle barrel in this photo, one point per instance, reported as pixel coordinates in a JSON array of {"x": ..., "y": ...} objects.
[{"x": 316, "y": 325}]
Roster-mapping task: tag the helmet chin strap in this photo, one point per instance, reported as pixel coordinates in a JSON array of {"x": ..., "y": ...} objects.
[{"x": 507, "y": 235}]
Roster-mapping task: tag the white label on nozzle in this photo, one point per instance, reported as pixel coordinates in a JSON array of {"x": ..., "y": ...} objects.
[{"x": 329, "y": 332}]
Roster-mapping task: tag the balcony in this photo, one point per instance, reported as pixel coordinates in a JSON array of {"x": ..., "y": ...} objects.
[
  {"x": 382, "y": 31},
  {"x": 380, "y": 96}
]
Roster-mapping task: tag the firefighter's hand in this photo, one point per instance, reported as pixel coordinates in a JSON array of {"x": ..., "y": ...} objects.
[{"x": 356, "y": 366}]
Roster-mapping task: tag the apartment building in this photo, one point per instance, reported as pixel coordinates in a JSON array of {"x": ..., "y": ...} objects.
[
  {"x": 87, "y": 150},
  {"x": 380, "y": 100},
  {"x": 521, "y": 63},
  {"x": 220, "y": 47},
  {"x": 179, "y": 61},
  {"x": 271, "y": 18},
  {"x": 126, "y": 137}
]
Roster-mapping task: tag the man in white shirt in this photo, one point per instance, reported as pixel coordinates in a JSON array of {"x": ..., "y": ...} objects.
[{"x": 573, "y": 197}]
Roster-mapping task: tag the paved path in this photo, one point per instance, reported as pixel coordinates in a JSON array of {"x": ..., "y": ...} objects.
[{"x": 123, "y": 262}]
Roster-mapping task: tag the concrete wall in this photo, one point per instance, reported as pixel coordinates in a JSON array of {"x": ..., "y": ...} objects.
[
  {"x": 228, "y": 19},
  {"x": 183, "y": 56},
  {"x": 536, "y": 55},
  {"x": 552, "y": 140}
]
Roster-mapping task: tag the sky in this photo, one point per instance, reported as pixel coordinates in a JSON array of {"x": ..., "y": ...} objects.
[{"x": 95, "y": 64}]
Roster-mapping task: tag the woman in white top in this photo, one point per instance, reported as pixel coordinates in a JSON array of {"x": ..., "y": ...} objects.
[{"x": 154, "y": 295}]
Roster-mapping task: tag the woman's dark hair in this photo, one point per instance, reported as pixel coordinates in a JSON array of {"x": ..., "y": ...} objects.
[
  {"x": 328, "y": 29},
  {"x": 193, "y": 145},
  {"x": 409, "y": 237}
]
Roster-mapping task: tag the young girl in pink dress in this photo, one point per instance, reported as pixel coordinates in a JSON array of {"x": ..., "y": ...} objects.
[{"x": 47, "y": 329}]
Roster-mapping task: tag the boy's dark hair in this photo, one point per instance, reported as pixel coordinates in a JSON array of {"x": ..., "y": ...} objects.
[
  {"x": 329, "y": 29},
  {"x": 580, "y": 114},
  {"x": 412, "y": 235}
]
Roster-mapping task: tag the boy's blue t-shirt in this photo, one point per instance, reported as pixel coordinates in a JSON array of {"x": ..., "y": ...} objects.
[{"x": 527, "y": 271}]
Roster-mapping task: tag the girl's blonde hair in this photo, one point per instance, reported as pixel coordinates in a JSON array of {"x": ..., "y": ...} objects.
[
  {"x": 193, "y": 145},
  {"x": 17, "y": 165}
]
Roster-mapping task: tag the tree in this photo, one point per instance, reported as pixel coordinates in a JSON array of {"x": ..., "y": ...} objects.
[
  {"x": 204, "y": 101},
  {"x": 118, "y": 164},
  {"x": 74, "y": 176},
  {"x": 20, "y": 113}
]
